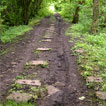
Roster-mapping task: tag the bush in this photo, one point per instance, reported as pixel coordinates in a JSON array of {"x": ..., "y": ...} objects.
[
  {"x": 85, "y": 19},
  {"x": 78, "y": 28},
  {"x": 68, "y": 11},
  {"x": 44, "y": 12}
]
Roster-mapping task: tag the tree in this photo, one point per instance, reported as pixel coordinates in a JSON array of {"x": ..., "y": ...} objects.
[
  {"x": 20, "y": 11},
  {"x": 76, "y": 16},
  {"x": 94, "y": 26}
]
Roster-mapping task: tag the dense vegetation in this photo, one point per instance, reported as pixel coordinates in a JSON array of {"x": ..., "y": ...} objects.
[{"x": 14, "y": 13}]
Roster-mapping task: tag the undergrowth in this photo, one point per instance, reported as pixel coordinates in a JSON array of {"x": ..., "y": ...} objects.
[
  {"x": 10, "y": 33},
  {"x": 34, "y": 21},
  {"x": 13, "y": 103},
  {"x": 92, "y": 55},
  {"x": 13, "y": 32}
]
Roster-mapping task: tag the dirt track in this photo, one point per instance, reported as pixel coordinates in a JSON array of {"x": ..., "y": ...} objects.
[{"x": 62, "y": 66}]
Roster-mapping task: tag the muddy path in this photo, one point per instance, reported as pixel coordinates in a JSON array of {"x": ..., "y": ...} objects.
[
  {"x": 62, "y": 72},
  {"x": 12, "y": 63}
]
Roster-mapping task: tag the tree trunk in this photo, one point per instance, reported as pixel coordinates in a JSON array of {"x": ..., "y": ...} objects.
[
  {"x": 94, "y": 26},
  {"x": 76, "y": 16}
]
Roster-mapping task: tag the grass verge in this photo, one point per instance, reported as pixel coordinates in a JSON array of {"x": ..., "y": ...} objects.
[
  {"x": 91, "y": 51},
  {"x": 13, "y": 103},
  {"x": 13, "y": 32},
  {"x": 35, "y": 21},
  {"x": 9, "y": 34}
]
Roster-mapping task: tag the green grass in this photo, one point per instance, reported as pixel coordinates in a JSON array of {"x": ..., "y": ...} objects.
[
  {"x": 36, "y": 52},
  {"x": 13, "y": 32},
  {"x": 19, "y": 77},
  {"x": 46, "y": 65},
  {"x": 50, "y": 49},
  {"x": 3, "y": 52},
  {"x": 93, "y": 59},
  {"x": 13, "y": 103},
  {"x": 9, "y": 34},
  {"x": 34, "y": 22}
]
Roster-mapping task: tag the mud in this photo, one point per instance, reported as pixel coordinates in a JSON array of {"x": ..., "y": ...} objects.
[{"x": 12, "y": 64}]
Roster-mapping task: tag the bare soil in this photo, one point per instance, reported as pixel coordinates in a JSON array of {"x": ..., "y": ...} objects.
[{"x": 63, "y": 66}]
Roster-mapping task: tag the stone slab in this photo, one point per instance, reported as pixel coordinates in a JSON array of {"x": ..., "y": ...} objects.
[
  {"x": 19, "y": 97},
  {"x": 79, "y": 51},
  {"x": 59, "y": 84},
  {"x": 101, "y": 95},
  {"x": 37, "y": 63},
  {"x": 48, "y": 37},
  {"x": 47, "y": 40},
  {"x": 94, "y": 79},
  {"x": 52, "y": 90},
  {"x": 29, "y": 82},
  {"x": 43, "y": 49}
]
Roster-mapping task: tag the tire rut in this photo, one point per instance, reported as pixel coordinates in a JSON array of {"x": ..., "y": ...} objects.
[{"x": 66, "y": 72}]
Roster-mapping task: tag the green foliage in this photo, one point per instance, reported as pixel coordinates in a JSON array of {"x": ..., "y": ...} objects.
[
  {"x": 68, "y": 11},
  {"x": 38, "y": 90},
  {"x": 36, "y": 52},
  {"x": 3, "y": 52},
  {"x": 79, "y": 28},
  {"x": 20, "y": 11},
  {"x": 28, "y": 66},
  {"x": 104, "y": 87},
  {"x": 13, "y": 13},
  {"x": 90, "y": 85},
  {"x": 93, "y": 58},
  {"x": 13, "y": 103},
  {"x": 44, "y": 12},
  {"x": 34, "y": 22},
  {"x": 14, "y": 32},
  {"x": 86, "y": 74},
  {"x": 18, "y": 86},
  {"x": 85, "y": 19},
  {"x": 1, "y": 9},
  {"x": 46, "y": 65},
  {"x": 102, "y": 19},
  {"x": 19, "y": 77},
  {"x": 94, "y": 49},
  {"x": 85, "y": 13}
]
